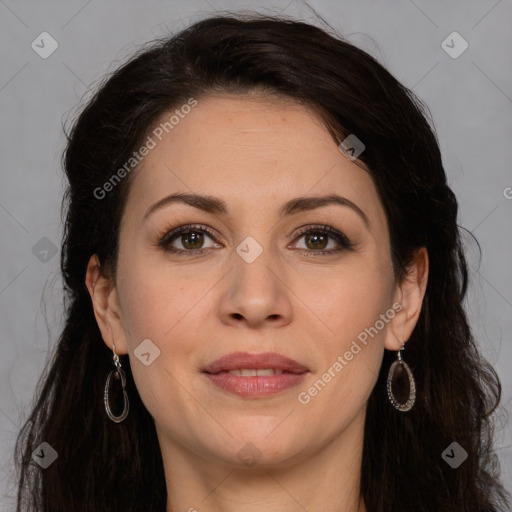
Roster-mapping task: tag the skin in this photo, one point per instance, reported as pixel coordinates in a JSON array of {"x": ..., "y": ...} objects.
[{"x": 255, "y": 154}]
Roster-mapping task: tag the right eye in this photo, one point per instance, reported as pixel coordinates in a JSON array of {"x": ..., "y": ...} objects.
[{"x": 188, "y": 235}]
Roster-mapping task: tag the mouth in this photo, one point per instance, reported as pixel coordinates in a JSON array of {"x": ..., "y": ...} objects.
[
  {"x": 254, "y": 372},
  {"x": 255, "y": 375},
  {"x": 264, "y": 362}
]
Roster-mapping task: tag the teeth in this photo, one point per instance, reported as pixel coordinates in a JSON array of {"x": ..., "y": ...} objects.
[{"x": 263, "y": 372}]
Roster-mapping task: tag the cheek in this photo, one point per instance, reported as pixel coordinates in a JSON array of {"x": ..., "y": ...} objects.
[
  {"x": 160, "y": 308},
  {"x": 349, "y": 300},
  {"x": 152, "y": 304},
  {"x": 350, "y": 337},
  {"x": 157, "y": 310}
]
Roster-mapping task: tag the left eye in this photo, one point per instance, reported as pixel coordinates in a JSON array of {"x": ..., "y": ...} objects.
[
  {"x": 192, "y": 240},
  {"x": 317, "y": 237}
]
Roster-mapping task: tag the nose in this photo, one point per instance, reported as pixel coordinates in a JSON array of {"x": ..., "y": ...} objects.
[{"x": 256, "y": 294}]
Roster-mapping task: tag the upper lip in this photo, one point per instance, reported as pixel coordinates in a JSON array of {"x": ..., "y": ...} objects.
[{"x": 242, "y": 360}]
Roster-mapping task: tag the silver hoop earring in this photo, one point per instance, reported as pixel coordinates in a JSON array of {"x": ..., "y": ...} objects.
[
  {"x": 407, "y": 406},
  {"x": 122, "y": 376}
]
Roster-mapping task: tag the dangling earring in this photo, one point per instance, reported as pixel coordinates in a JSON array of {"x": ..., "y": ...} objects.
[
  {"x": 120, "y": 372},
  {"x": 412, "y": 386}
]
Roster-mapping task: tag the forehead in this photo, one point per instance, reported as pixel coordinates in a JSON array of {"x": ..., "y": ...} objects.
[{"x": 244, "y": 149}]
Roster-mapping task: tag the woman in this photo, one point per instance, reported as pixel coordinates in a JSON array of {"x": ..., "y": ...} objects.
[{"x": 265, "y": 281}]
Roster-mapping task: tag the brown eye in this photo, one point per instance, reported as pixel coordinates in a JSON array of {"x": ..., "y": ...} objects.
[
  {"x": 191, "y": 238},
  {"x": 317, "y": 240}
]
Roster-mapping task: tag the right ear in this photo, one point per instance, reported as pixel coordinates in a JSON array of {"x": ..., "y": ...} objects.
[{"x": 105, "y": 303}]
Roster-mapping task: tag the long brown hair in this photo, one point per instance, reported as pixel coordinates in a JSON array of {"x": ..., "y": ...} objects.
[{"x": 118, "y": 467}]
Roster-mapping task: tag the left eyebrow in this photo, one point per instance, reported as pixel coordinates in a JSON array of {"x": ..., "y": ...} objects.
[
  {"x": 211, "y": 204},
  {"x": 307, "y": 203}
]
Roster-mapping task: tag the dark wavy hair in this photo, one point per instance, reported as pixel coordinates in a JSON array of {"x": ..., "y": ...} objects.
[{"x": 103, "y": 466}]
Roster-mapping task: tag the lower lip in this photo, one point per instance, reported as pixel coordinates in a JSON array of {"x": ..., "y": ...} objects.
[{"x": 253, "y": 387}]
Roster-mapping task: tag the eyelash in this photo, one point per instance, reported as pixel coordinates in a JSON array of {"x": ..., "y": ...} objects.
[{"x": 167, "y": 237}]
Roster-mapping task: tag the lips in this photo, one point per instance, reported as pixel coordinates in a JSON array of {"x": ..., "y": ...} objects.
[
  {"x": 245, "y": 361},
  {"x": 253, "y": 376}
]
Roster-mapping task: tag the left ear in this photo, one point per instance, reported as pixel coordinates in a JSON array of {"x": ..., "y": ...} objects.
[{"x": 409, "y": 293}]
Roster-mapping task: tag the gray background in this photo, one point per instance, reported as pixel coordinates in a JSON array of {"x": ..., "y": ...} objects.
[{"x": 470, "y": 98}]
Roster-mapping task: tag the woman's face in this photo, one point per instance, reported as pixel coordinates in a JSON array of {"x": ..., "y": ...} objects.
[{"x": 258, "y": 286}]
